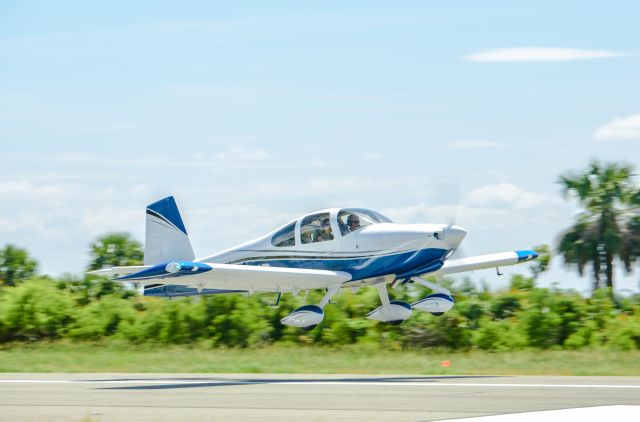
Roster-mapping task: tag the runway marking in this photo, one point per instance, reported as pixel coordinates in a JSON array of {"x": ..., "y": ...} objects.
[
  {"x": 336, "y": 383},
  {"x": 452, "y": 384},
  {"x": 618, "y": 413}
]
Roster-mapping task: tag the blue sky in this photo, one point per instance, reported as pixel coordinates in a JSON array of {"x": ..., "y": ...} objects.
[{"x": 253, "y": 113}]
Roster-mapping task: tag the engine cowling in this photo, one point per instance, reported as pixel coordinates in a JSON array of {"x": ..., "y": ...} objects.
[
  {"x": 437, "y": 303},
  {"x": 395, "y": 313},
  {"x": 306, "y": 317}
]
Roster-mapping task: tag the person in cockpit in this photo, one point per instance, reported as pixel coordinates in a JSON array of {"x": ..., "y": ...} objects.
[
  {"x": 325, "y": 232},
  {"x": 353, "y": 222}
]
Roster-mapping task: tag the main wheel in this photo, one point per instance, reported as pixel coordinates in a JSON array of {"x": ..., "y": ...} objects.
[{"x": 437, "y": 313}]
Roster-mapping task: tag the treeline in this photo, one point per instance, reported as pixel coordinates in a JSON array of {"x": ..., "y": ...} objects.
[
  {"x": 604, "y": 236},
  {"x": 524, "y": 316}
]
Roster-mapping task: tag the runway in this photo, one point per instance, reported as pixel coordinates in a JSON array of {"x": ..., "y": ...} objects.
[{"x": 277, "y": 397}]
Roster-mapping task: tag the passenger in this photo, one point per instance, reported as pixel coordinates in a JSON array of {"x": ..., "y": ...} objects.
[
  {"x": 353, "y": 222},
  {"x": 326, "y": 233}
]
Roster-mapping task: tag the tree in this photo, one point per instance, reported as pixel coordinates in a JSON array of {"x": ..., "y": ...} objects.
[
  {"x": 608, "y": 195},
  {"x": 116, "y": 249},
  {"x": 541, "y": 264},
  {"x": 15, "y": 265},
  {"x": 631, "y": 243}
]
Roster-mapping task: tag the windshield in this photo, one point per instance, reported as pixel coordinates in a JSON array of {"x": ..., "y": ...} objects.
[
  {"x": 285, "y": 236},
  {"x": 353, "y": 219}
]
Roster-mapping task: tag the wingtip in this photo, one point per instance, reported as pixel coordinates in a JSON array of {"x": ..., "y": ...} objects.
[
  {"x": 102, "y": 271},
  {"x": 526, "y": 255}
]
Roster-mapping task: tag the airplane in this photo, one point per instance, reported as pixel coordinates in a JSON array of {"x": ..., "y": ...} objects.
[{"x": 330, "y": 249}]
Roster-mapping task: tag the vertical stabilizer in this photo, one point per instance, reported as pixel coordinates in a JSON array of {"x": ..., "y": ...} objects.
[{"x": 166, "y": 238}]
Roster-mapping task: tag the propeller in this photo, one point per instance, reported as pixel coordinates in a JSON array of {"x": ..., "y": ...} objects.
[{"x": 453, "y": 233}]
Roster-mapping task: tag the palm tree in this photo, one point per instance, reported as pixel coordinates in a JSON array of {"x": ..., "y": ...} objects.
[
  {"x": 604, "y": 231},
  {"x": 631, "y": 243}
]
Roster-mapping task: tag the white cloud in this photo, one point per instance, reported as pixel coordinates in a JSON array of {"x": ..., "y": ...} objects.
[
  {"x": 27, "y": 190},
  {"x": 620, "y": 128},
  {"x": 539, "y": 54},
  {"x": 474, "y": 144},
  {"x": 507, "y": 195},
  {"x": 238, "y": 153},
  {"x": 498, "y": 217},
  {"x": 222, "y": 155},
  {"x": 373, "y": 156},
  {"x": 488, "y": 204},
  {"x": 445, "y": 214}
]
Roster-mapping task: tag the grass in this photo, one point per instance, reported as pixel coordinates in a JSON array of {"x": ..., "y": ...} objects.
[{"x": 114, "y": 357}]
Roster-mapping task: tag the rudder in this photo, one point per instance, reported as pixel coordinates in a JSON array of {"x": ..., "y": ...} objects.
[{"x": 166, "y": 237}]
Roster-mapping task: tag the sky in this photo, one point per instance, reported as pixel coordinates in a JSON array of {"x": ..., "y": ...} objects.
[{"x": 252, "y": 113}]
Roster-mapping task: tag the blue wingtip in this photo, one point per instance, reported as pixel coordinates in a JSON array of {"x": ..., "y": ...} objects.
[
  {"x": 168, "y": 209},
  {"x": 526, "y": 255}
]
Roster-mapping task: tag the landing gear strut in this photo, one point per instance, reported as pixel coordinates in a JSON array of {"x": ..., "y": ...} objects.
[
  {"x": 392, "y": 312},
  {"x": 308, "y": 316}
]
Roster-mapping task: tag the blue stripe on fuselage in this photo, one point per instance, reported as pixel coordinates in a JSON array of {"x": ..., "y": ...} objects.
[{"x": 359, "y": 267}]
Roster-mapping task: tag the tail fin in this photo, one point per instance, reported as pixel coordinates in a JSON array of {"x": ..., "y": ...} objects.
[{"x": 166, "y": 238}]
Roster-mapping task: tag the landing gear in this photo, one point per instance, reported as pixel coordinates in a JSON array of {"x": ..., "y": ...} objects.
[
  {"x": 392, "y": 312},
  {"x": 308, "y": 316},
  {"x": 437, "y": 303},
  {"x": 433, "y": 286}
]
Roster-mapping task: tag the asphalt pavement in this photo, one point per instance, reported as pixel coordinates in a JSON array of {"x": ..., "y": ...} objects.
[{"x": 279, "y": 397}]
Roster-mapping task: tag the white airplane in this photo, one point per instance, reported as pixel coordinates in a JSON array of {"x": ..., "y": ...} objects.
[{"x": 329, "y": 249}]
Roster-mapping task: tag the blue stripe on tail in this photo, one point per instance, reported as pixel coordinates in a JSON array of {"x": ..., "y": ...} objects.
[{"x": 168, "y": 209}]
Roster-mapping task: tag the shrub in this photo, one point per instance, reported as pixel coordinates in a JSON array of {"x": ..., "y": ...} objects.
[
  {"x": 93, "y": 308},
  {"x": 35, "y": 310},
  {"x": 101, "y": 318}
]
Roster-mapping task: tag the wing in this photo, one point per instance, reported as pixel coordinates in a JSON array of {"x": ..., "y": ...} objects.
[
  {"x": 480, "y": 262},
  {"x": 230, "y": 277}
]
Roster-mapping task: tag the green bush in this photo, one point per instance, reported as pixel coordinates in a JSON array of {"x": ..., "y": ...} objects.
[
  {"x": 499, "y": 335},
  {"x": 624, "y": 332},
  {"x": 35, "y": 310},
  {"x": 93, "y": 308},
  {"x": 540, "y": 320},
  {"x": 101, "y": 318}
]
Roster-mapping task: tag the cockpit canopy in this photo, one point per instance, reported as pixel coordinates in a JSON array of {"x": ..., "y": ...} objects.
[
  {"x": 352, "y": 219},
  {"x": 320, "y": 226}
]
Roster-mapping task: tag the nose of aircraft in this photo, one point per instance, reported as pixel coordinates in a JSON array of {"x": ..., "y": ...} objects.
[{"x": 453, "y": 235}]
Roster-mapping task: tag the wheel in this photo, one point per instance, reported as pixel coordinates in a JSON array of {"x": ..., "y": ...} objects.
[
  {"x": 437, "y": 313},
  {"x": 396, "y": 322},
  {"x": 310, "y": 327}
]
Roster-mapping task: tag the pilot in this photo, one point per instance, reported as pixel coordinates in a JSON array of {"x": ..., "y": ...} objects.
[
  {"x": 353, "y": 222},
  {"x": 325, "y": 232}
]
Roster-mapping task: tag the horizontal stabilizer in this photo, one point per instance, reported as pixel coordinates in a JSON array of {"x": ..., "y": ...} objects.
[
  {"x": 230, "y": 276},
  {"x": 120, "y": 270}
]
